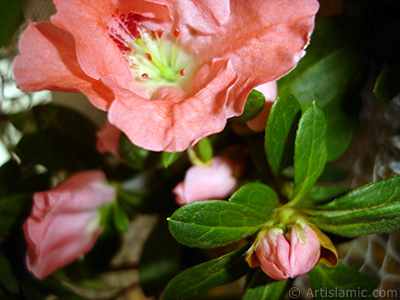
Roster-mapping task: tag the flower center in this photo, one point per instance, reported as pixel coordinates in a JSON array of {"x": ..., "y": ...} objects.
[{"x": 156, "y": 58}]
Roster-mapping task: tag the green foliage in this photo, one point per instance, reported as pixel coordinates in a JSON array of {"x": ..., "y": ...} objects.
[
  {"x": 168, "y": 158},
  {"x": 326, "y": 75},
  {"x": 310, "y": 151},
  {"x": 255, "y": 103},
  {"x": 387, "y": 86},
  {"x": 261, "y": 287},
  {"x": 374, "y": 208},
  {"x": 256, "y": 196},
  {"x": 205, "y": 150},
  {"x": 215, "y": 223},
  {"x": 341, "y": 282},
  {"x": 203, "y": 277},
  {"x": 280, "y": 132}
]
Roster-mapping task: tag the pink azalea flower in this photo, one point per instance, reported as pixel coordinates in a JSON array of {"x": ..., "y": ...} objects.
[
  {"x": 282, "y": 257},
  {"x": 209, "y": 182},
  {"x": 108, "y": 139},
  {"x": 168, "y": 72},
  {"x": 64, "y": 222}
]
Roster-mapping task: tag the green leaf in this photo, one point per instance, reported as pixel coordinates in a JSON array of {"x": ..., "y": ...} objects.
[
  {"x": 64, "y": 139},
  {"x": 135, "y": 156},
  {"x": 121, "y": 219},
  {"x": 255, "y": 103},
  {"x": 214, "y": 223},
  {"x": 340, "y": 130},
  {"x": 280, "y": 132},
  {"x": 11, "y": 16},
  {"x": 7, "y": 277},
  {"x": 310, "y": 151},
  {"x": 323, "y": 194},
  {"x": 13, "y": 210},
  {"x": 339, "y": 282},
  {"x": 387, "y": 86},
  {"x": 261, "y": 287},
  {"x": 157, "y": 267},
  {"x": 205, "y": 149},
  {"x": 168, "y": 158},
  {"x": 327, "y": 73},
  {"x": 205, "y": 276},
  {"x": 374, "y": 208},
  {"x": 256, "y": 196}
]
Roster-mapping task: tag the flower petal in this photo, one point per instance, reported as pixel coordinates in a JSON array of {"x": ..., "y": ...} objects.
[
  {"x": 174, "y": 124},
  {"x": 96, "y": 51},
  {"x": 54, "y": 65}
]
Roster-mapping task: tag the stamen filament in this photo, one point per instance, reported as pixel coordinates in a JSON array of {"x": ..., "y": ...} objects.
[
  {"x": 173, "y": 58},
  {"x": 146, "y": 50}
]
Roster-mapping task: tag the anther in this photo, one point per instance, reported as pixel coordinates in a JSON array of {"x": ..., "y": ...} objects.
[
  {"x": 148, "y": 55},
  {"x": 159, "y": 33},
  {"x": 182, "y": 72},
  {"x": 176, "y": 32},
  {"x": 145, "y": 76}
]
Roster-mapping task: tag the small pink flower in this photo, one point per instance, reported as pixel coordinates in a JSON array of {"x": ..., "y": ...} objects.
[
  {"x": 270, "y": 92},
  {"x": 168, "y": 72},
  {"x": 108, "y": 139},
  {"x": 281, "y": 258},
  {"x": 210, "y": 182},
  {"x": 64, "y": 222}
]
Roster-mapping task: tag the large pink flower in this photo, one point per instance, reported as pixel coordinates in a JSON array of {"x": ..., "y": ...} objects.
[
  {"x": 168, "y": 72},
  {"x": 64, "y": 222}
]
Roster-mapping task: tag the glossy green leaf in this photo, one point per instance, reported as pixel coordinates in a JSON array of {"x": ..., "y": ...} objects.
[
  {"x": 157, "y": 267},
  {"x": 255, "y": 103},
  {"x": 256, "y": 196},
  {"x": 261, "y": 287},
  {"x": 339, "y": 282},
  {"x": 327, "y": 73},
  {"x": 7, "y": 277},
  {"x": 205, "y": 149},
  {"x": 205, "y": 276},
  {"x": 322, "y": 194},
  {"x": 11, "y": 16},
  {"x": 387, "y": 86},
  {"x": 168, "y": 158},
  {"x": 310, "y": 151},
  {"x": 214, "y": 223},
  {"x": 340, "y": 130},
  {"x": 374, "y": 208},
  {"x": 280, "y": 132},
  {"x": 132, "y": 154}
]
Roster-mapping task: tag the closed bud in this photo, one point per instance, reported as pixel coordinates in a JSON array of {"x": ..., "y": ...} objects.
[{"x": 286, "y": 256}]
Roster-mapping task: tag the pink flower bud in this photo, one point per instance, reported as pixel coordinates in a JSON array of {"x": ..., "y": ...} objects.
[
  {"x": 282, "y": 257},
  {"x": 64, "y": 222},
  {"x": 211, "y": 182}
]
